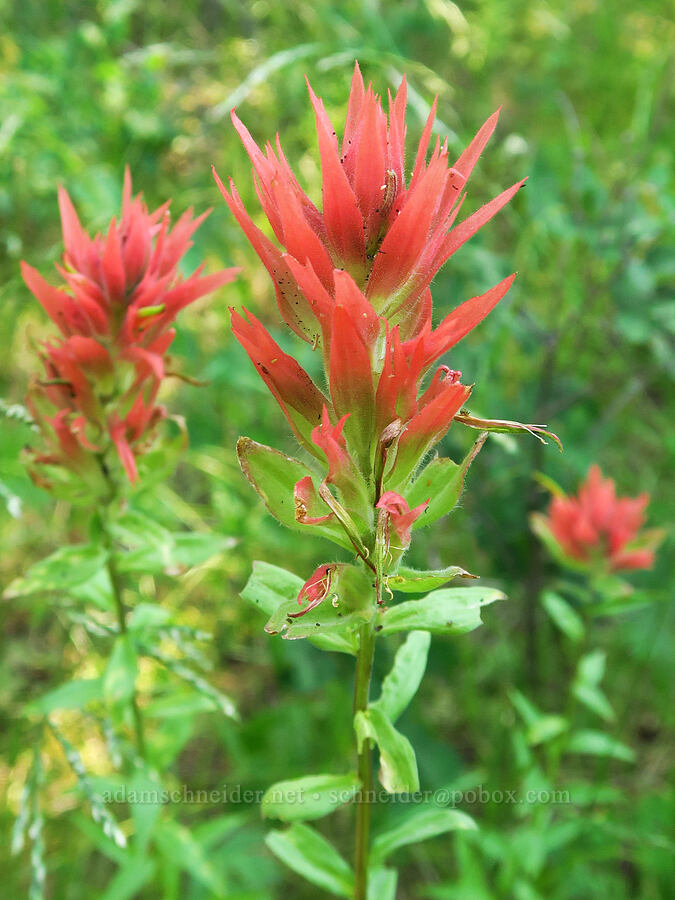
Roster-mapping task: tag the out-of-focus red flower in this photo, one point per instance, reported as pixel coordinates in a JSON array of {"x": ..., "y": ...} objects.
[
  {"x": 121, "y": 294},
  {"x": 597, "y": 527},
  {"x": 390, "y": 234}
]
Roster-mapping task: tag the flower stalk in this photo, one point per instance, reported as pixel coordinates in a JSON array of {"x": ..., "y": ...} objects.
[{"x": 364, "y": 668}]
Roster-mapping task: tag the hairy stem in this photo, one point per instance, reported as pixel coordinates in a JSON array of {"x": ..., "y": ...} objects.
[{"x": 364, "y": 667}]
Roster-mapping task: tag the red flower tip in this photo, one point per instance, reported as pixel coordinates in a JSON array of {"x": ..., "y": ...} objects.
[{"x": 391, "y": 236}]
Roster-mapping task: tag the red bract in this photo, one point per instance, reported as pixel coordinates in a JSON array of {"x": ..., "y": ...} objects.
[
  {"x": 121, "y": 294},
  {"x": 400, "y": 518},
  {"x": 598, "y": 527},
  {"x": 391, "y": 236},
  {"x": 316, "y": 588}
]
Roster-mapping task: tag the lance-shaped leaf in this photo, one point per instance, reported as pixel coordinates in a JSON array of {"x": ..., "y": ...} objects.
[
  {"x": 349, "y": 605},
  {"x": 446, "y": 611},
  {"x": 597, "y": 743},
  {"x": 586, "y": 685},
  {"x": 564, "y": 615},
  {"x": 505, "y": 426},
  {"x": 309, "y": 854},
  {"x": 270, "y": 587},
  {"x": 274, "y": 477},
  {"x": 398, "y": 766},
  {"x": 76, "y": 694},
  {"x": 400, "y": 685},
  {"x": 382, "y": 883},
  {"x": 441, "y": 482},
  {"x": 414, "y": 581},
  {"x": 312, "y": 797},
  {"x": 67, "y": 568},
  {"x": 420, "y": 826}
]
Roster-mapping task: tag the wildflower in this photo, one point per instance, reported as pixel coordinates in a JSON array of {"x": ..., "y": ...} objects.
[
  {"x": 599, "y": 528},
  {"x": 120, "y": 296}
]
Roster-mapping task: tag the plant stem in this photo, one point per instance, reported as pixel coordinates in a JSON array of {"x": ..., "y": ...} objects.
[
  {"x": 364, "y": 667},
  {"x": 120, "y": 607},
  {"x": 121, "y": 611}
]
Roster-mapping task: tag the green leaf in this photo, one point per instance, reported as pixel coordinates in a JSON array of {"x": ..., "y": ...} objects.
[
  {"x": 148, "y": 615},
  {"x": 274, "y": 475},
  {"x": 564, "y": 616},
  {"x": 540, "y": 727},
  {"x": 145, "y": 809},
  {"x": 545, "y": 729},
  {"x": 597, "y": 743},
  {"x": 400, "y": 685},
  {"x": 120, "y": 674},
  {"x": 446, "y": 611},
  {"x": 312, "y": 797},
  {"x": 594, "y": 699},
  {"x": 128, "y": 881},
  {"x": 591, "y": 668},
  {"x": 153, "y": 549},
  {"x": 349, "y": 605},
  {"x": 590, "y": 671},
  {"x": 66, "y": 568},
  {"x": 382, "y": 884},
  {"x": 526, "y": 709},
  {"x": 193, "y": 548},
  {"x": 180, "y": 705},
  {"x": 269, "y": 587},
  {"x": 411, "y": 581},
  {"x": 72, "y": 695},
  {"x": 420, "y": 826},
  {"x": 179, "y": 847},
  {"x": 96, "y": 590},
  {"x": 441, "y": 483},
  {"x": 309, "y": 854},
  {"x": 398, "y": 766}
]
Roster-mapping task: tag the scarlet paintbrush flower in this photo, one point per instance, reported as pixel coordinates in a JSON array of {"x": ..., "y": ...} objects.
[
  {"x": 598, "y": 528},
  {"x": 352, "y": 278},
  {"x": 391, "y": 236},
  {"x": 121, "y": 294}
]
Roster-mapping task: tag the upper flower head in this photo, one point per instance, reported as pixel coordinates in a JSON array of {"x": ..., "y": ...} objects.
[
  {"x": 120, "y": 296},
  {"x": 390, "y": 233},
  {"x": 124, "y": 286},
  {"x": 599, "y": 528}
]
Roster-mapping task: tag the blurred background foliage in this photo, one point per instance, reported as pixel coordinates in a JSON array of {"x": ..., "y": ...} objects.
[{"x": 583, "y": 342}]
